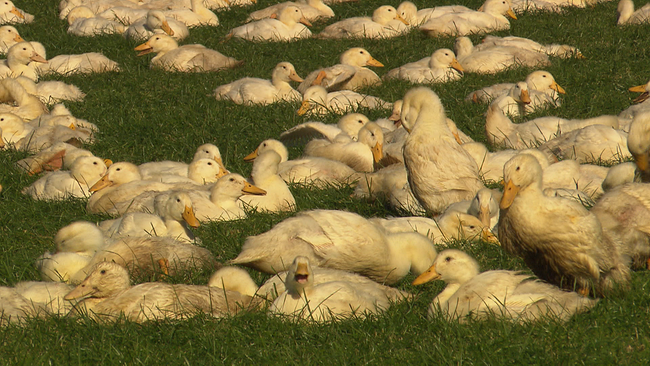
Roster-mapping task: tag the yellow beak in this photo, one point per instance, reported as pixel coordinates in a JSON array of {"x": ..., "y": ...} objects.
[{"x": 428, "y": 275}]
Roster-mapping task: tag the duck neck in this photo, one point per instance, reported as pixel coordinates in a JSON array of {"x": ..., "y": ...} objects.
[
  {"x": 447, "y": 293},
  {"x": 497, "y": 124},
  {"x": 625, "y": 10}
]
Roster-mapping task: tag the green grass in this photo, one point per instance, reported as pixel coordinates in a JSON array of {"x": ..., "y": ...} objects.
[{"x": 147, "y": 115}]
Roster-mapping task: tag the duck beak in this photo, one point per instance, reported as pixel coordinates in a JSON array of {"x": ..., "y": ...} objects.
[
  {"x": 457, "y": 137},
  {"x": 488, "y": 237},
  {"x": 509, "y": 193},
  {"x": 37, "y": 58},
  {"x": 18, "y": 38},
  {"x": 642, "y": 162},
  {"x": 83, "y": 291},
  {"x": 428, "y": 275},
  {"x": 165, "y": 26},
  {"x": 295, "y": 77},
  {"x": 144, "y": 49},
  {"x": 457, "y": 66},
  {"x": 251, "y": 189},
  {"x": 221, "y": 172},
  {"x": 304, "y": 21},
  {"x": 555, "y": 86},
  {"x": 511, "y": 14},
  {"x": 377, "y": 152},
  {"x": 108, "y": 162},
  {"x": 190, "y": 218},
  {"x": 319, "y": 78},
  {"x": 484, "y": 215},
  {"x": 250, "y": 157},
  {"x": 373, "y": 62},
  {"x": 525, "y": 97},
  {"x": 580, "y": 56},
  {"x": 17, "y": 13},
  {"x": 304, "y": 108},
  {"x": 101, "y": 184},
  {"x": 638, "y": 89},
  {"x": 399, "y": 17}
]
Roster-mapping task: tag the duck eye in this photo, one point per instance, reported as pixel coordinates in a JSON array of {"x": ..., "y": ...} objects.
[
  {"x": 178, "y": 200},
  {"x": 471, "y": 227},
  {"x": 209, "y": 163},
  {"x": 232, "y": 179},
  {"x": 264, "y": 145},
  {"x": 103, "y": 271},
  {"x": 95, "y": 163},
  {"x": 448, "y": 259},
  {"x": 118, "y": 169},
  {"x": 518, "y": 168}
]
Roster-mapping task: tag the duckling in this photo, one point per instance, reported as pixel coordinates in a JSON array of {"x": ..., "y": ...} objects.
[
  {"x": 28, "y": 300},
  {"x": 312, "y": 10},
  {"x": 359, "y": 155},
  {"x": 107, "y": 294},
  {"x": 156, "y": 23},
  {"x": 627, "y": 15},
  {"x": 326, "y": 301},
  {"x": 201, "y": 171},
  {"x": 316, "y": 100},
  {"x": 559, "y": 239},
  {"x": 429, "y": 151},
  {"x": 308, "y": 170},
  {"x": 265, "y": 176},
  {"x": 12, "y": 15},
  {"x": 290, "y": 25},
  {"x": 484, "y": 206},
  {"x": 507, "y": 294},
  {"x": 416, "y": 17},
  {"x": 346, "y": 129},
  {"x": 385, "y": 23},
  {"x": 186, "y": 58},
  {"x": 259, "y": 91},
  {"x": 441, "y": 67},
  {"x": 492, "y": 18},
  {"x": 14, "y": 130},
  {"x": 172, "y": 215},
  {"x": 9, "y": 36},
  {"x": 18, "y": 101},
  {"x": 59, "y": 155},
  {"x": 52, "y": 91},
  {"x": 61, "y": 185},
  {"x": 83, "y": 22},
  {"x": 341, "y": 240},
  {"x": 593, "y": 143},
  {"x": 166, "y": 167}
]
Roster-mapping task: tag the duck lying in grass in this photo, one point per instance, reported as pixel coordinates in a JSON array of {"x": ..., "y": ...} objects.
[
  {"x": 290, "y": 25},
  {"x": 350, "y": 73},
  {"x": 491, "y": 18},
  {"x": 60, "y": 185},
  {"x": 107, "y": 294},
  {"x": 316, "y": 100},
  {"x": 260, "y": 91},
  {"x": 385, "y": 23},
  {"x": 503, "y": 294},
  {"x": 441, "y": 67},
  {"x": 186, "y": 58},
  {"x": 156, "y": 23},
  {"x": 312, "y": 10},
  {"x": 12, "y": 15},
  {"x": 340, "y": 240}
]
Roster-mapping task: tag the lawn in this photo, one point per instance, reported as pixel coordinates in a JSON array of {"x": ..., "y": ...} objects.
[{"x": 148, "y": 115}]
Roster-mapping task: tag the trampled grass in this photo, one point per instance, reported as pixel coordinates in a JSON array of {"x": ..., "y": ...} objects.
[{"x": 146, "y": 115}]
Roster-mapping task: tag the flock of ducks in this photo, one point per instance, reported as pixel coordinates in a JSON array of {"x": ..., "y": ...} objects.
[{"x": 329, "y": 264}]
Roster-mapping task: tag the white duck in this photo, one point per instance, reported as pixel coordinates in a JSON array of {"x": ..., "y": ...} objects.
[
  {"x": 260, "y": 91},
  {"x": 497, "y": 59},
  {"x": 222, "y": 204},
  {"x": 186, "y": 58},
  {"x": 385, "y": 23},
  {"x": 156, "y": 23},
  {"x": 166, "y": 167},
  {"x": 346, "y": 129},
  {"x": 492, "y": 18},
  {"x": 303, "y": 299},
  {"x": 84, "y": 63},
  {"x": 440, "y": 172},
  {"x": 173, "y": 214},
  {"x": 316, "y": 100},
  {"x": 52, "y": 91},
  {"x": 12, "y": 15},
  {"x": 416, "y": 17},
  {"x": 107, "y": 294},
  {"x": 312, "y": 10},
  {"x": 627, "y": 15},
  {"x": 361, "y": 155},
  {"x": 197, "y": 15},
  {"x": 441, "y": 67},
  {"x": 342, "y": 240},
  {"x": 290, "y": 25},
  {"x": 83, "y": 22},
  {"x": 319, "y": 172},
  {"x": 500, "y": 130},
  {"x": 558, "y": 238},
  {"x": 18, "y": 58},
  {"x": 351, "y": 73},
  {"x": 557, "y": 50},
  {"x": 595, "y": 143},
  {"x": 541, "y": 81},
  {"x": 9, "y": 36},
  {"x": 61, "y": 185},
  {"x": 506, "y": 294},
  {"x": 265, "y": 176}
]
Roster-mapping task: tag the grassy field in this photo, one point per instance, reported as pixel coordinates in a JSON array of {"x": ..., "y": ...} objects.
[{"x": 146, "y": 115}]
